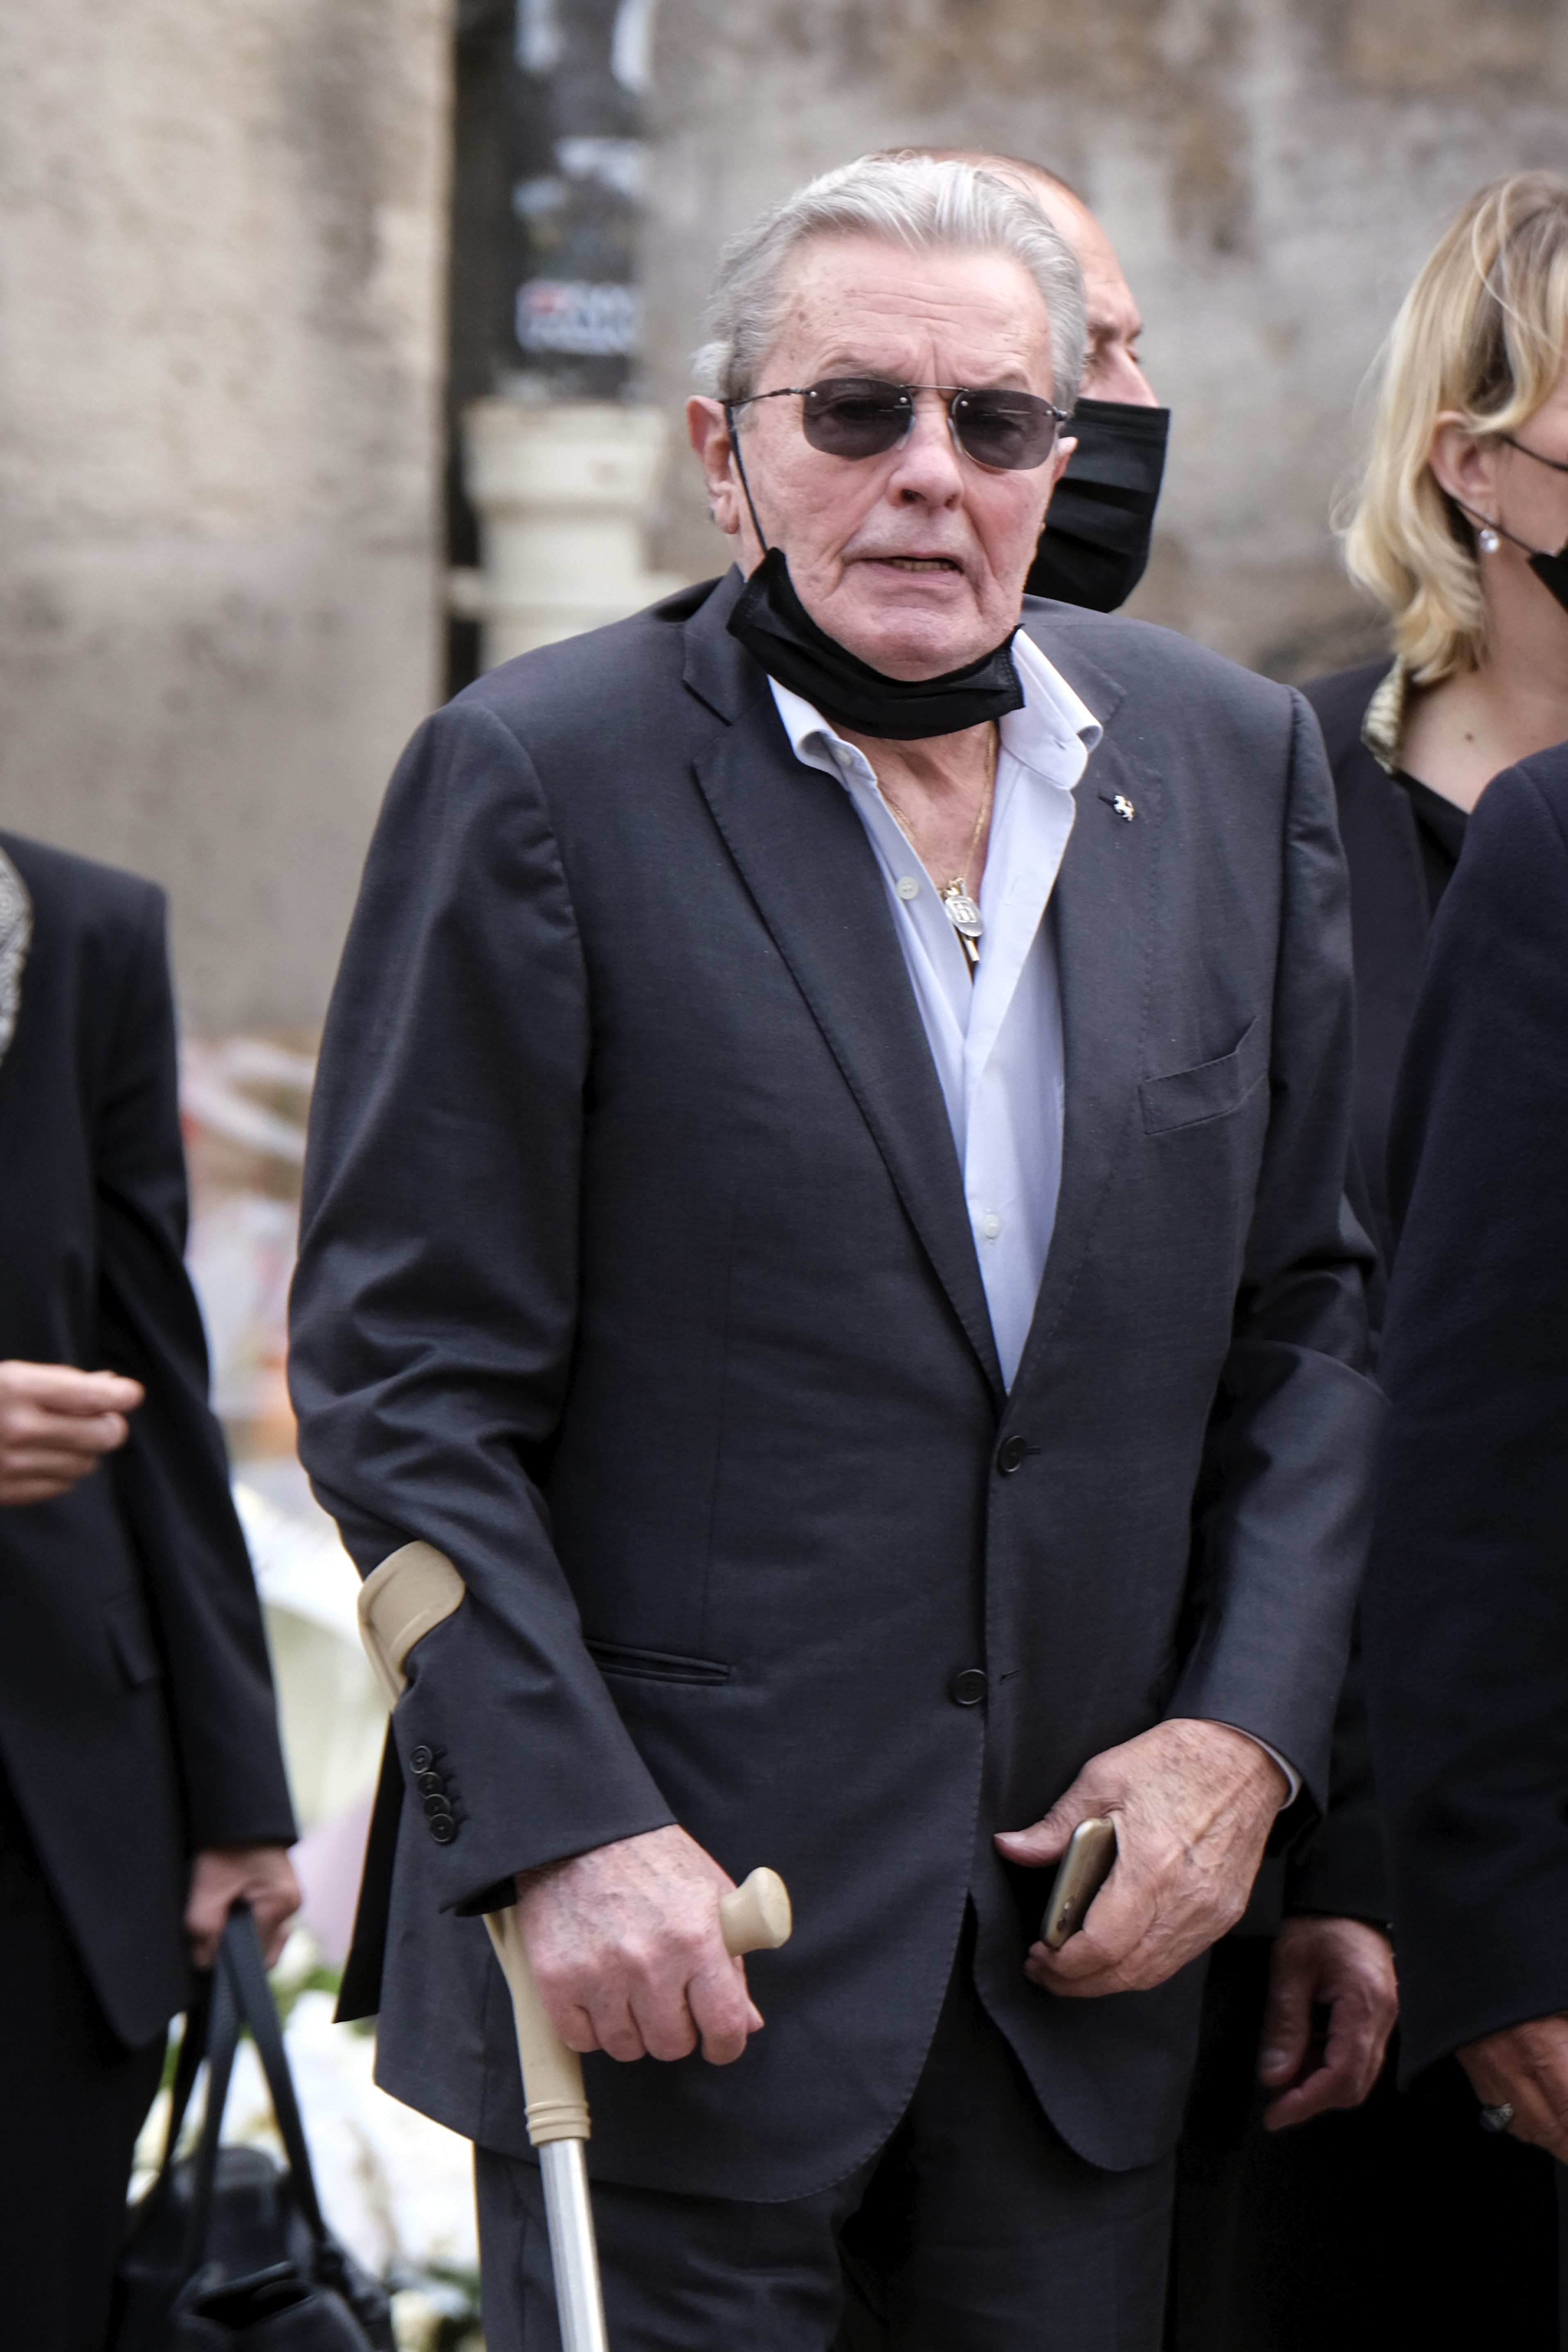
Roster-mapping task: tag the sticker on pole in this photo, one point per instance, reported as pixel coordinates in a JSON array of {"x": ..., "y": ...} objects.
[{"x": 565, "y": 315}]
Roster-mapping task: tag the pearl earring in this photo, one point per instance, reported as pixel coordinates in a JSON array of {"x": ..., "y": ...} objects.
[{"x": 1489, "y": 542}]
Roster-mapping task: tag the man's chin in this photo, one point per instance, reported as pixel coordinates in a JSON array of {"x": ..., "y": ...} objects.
[{"x": 904, "y": 638}]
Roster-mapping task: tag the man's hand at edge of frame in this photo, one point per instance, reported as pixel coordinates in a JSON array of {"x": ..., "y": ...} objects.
[
  {"x": 1342, "y": 1966},
  {"x": 1193, "y": 1803},
  {"x": 56, "y": 1424},
  {"x": 262, "y": 1875},
  {"x": 626, "y": 1951},
  {"x": 1525, "y": 2067}
]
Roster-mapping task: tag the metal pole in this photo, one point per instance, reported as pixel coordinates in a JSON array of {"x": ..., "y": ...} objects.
[{"x": 574, "y": 2256}]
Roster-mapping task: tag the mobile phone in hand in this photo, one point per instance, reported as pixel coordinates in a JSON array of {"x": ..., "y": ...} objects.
[{"x": 1081, "y": 1873}]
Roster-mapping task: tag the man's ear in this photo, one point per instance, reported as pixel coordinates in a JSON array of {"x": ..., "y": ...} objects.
[{"x": 708, "y": 430}]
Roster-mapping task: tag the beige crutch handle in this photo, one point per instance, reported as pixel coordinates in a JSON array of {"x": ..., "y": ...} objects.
[
  {"x": 413, "y": 1590},
  {"x": 753, "y": 1918}
]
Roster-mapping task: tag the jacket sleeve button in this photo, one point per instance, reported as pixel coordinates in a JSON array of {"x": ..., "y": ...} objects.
[
  {"x": 430, "y": 1784},
  {"x": 443, "y": 1829},
  {"x": 969, "y": 1687},
  {"x": 421, "y": 1759}
]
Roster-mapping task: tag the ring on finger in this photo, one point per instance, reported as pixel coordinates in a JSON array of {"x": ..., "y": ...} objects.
[{"x": 1498, "y": 2118}]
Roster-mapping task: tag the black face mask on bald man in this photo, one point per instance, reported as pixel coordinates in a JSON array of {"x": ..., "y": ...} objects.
[{"x": 1095, "y": 545}]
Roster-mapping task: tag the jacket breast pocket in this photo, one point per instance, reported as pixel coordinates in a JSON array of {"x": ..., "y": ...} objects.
[
  {"x": 130, "y": 1639},
  {"x": 656, "y": 1665},
  {"x": 1210, "y": 1089}
]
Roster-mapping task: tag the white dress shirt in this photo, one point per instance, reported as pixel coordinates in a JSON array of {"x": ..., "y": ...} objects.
[{"x": 995, "y": 1038}]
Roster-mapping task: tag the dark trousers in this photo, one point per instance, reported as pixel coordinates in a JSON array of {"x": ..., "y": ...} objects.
[
  {"x": 72, "y": 2100},
  {"x": 975, "y": 2228},
  {"x": 1400, "y": 2223}
]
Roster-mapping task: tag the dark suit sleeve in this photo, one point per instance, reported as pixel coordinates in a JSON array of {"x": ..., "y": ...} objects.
[
  {"x": 172, "y": 1477},
  {"x": 1292, "y": 1457},
  {"x": 436, "y": 1300},
  {"x": 1466, "y": 1611},
  {"x": 1340, "y": 1868}
]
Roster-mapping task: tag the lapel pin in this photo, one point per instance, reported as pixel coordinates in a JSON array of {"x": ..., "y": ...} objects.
[{"x": 1125, "y": 808}]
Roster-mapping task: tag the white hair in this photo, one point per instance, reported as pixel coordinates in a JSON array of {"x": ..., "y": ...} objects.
[{"x": 906, "y": 200}]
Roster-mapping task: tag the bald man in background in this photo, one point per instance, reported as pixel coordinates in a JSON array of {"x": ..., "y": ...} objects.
[{"x": 1301, "y": 1996}]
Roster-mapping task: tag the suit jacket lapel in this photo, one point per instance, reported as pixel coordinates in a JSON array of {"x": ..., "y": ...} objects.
[
  {"x": 1102, "y": 909},
  {"x": 803, "y": 855}
]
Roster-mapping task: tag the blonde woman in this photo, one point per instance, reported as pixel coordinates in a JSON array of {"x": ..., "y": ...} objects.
[
  {"x": 1459, "y": 529},
  {"x": 1448, "y": 2234}
]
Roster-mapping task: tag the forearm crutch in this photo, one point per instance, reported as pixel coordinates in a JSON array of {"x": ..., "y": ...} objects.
[{"x": 408, "y": 1594}]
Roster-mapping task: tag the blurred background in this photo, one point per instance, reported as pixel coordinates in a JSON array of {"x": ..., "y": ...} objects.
[{"x": 343, "y": 347}]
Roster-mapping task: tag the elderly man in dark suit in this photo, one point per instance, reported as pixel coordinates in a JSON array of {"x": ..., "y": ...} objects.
[
  {"x": 141, "y": 1786},
  {"x": 829, "y": 1151}
]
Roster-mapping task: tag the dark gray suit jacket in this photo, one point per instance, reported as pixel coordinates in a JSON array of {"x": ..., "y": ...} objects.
[{"x": 637, "y": 1277}]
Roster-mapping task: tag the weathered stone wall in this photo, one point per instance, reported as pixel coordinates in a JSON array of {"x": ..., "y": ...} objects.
[
  {"x": 1272, "y": 173},
  {"x": 220, "y": 272}
]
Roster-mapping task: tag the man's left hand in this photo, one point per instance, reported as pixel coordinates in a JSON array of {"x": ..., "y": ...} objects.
[
  {"x": 1346, "y": 1968},
  {"x": 260, "y": 1876},
  {"x": 1193, "y": 1803}
]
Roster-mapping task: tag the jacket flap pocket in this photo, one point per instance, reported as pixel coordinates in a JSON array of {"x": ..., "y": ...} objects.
[
  {"x": 1209, "y": 1090},
  {"x": 131, "y": 1638},
  {"x": 656, "y": 1665}
]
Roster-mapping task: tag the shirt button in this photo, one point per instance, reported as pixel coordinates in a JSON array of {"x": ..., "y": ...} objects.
[
  {"x": 907, "y": 887},
  {"x": 969, "y": 1687},
  {"x": 1012, "y": 1454},
  {"x": 991, "y": 1225}
]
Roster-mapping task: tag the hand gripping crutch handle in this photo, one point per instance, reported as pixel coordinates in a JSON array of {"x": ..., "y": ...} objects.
[
  {"x": 413, "y": 1591},
  {"x": 755, "y": 1917}
]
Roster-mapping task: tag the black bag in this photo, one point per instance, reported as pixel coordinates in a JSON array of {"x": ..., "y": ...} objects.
[{"x": 228, "y": 2248}]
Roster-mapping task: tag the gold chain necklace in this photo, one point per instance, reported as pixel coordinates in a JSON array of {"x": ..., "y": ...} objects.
[{"x": 959, "y": 906}]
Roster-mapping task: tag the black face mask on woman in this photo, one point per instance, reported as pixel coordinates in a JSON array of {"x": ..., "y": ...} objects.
[
  {"x": 1549, "y": 565},
  {"x": 1095, "y": 544}
]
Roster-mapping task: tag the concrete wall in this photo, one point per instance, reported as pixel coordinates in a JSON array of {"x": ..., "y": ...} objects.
[
  {"x": 220, "y": 278},
  {"x": 1271, "y": 170}
]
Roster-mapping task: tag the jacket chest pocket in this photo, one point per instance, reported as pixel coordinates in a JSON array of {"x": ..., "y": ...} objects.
[{"x": 1210, "y": 1089}]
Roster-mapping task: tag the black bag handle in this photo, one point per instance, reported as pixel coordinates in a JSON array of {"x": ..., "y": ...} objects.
[
  {"x": 222, "y": 2040},
  {"x": 240, "y": 1963},
  {"x": 188, "y": 2066}
]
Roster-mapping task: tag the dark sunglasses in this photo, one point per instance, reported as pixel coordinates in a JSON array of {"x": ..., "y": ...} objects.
[{"x": 862, "y": 416}]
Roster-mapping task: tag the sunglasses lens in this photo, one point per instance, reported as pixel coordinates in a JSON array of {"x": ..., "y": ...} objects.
[
  {"x": 1010, "y": 430},
  {"x": 855, "y": 416}
]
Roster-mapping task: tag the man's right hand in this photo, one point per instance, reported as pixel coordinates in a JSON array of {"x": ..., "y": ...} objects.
[
  {"x": 56, "y": 1424},
  {"x": 626, "y": 1948},
  {"x": 1525, "y": 2067}
]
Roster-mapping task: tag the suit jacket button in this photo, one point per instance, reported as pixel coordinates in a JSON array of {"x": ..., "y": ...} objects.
[
  {"x": 443, "y": 1829},
  {"x": 1012, "y": 1454},
  {"x": 969, "y": 1687},
  {"x": 431, "y": 1784},
  {"x": 421, "y": 1759},
  {"x": 435, "y": 1804}
]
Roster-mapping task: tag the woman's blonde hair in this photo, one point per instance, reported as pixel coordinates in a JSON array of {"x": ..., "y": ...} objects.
[{"x": 1482, "y": 331}]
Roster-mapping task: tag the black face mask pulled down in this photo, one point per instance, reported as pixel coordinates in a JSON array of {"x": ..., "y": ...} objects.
[
  {"x": 1095, "y": 544},
  {"x": 774, "y": 626}
]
